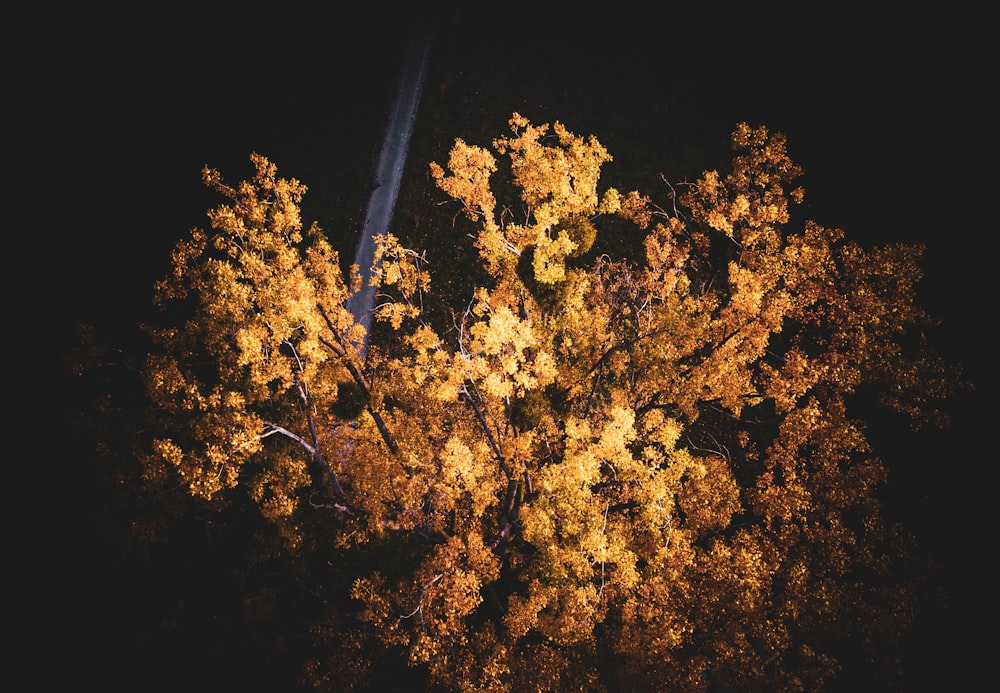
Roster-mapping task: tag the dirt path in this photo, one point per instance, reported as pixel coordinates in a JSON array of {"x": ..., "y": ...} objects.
[{"x": 389, "y": 170}]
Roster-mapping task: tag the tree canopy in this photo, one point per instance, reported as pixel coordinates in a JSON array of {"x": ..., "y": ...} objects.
[{"x": 600, "y": 471}]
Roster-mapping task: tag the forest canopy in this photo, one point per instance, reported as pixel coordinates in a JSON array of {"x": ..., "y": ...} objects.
[{"x": 590, "y": 472}]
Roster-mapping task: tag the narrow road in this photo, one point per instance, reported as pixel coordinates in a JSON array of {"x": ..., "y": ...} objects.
[{"x": 389, "y": 171}]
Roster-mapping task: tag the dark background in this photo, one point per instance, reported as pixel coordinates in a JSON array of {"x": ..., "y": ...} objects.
[{"x": 116, "y": 113}]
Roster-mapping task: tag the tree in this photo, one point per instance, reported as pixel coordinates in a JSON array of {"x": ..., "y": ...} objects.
[{"x": 605, "y": 471}]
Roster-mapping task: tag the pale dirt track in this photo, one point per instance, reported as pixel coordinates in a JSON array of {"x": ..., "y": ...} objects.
[{"x": 389, "y": 170}]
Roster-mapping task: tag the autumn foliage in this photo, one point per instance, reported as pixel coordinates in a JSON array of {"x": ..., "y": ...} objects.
[{"x": 602, "y": 472}]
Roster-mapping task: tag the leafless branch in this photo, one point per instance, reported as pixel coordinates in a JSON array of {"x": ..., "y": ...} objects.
[{"x": 419, "y": 610}]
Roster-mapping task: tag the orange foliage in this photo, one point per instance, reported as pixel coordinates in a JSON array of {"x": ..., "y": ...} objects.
[{"x": 633, "y": 470}]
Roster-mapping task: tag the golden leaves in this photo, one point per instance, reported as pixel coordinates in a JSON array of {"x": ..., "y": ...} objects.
[
  {"x": 394, "y": 266},
  {"x": 635, "y": 208},
  {"x": 511, "y": 343},
  {"x": 261, "y": 284},
  {"x": 557, "y": 181},
  {"x": 709, "y": 497},
  {"x": 465, "y": 474},
  {"x": 469, "y": 179},
  {"x": 749, "y": 203},
  {"x": 663, "y": 438}
]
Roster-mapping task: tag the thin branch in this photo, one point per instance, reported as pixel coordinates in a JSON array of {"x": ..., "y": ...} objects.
[
  {"x": 341, "y": 351},
  {"x": 486, "y": 429},
  {"x": 272, "y": 428},
  {"x": 722, "y": 452},
  {"x": 338, "y": 491},
  {"x": 604, "y": 528},
  {"x": 673, "y": 198},
  {"x": 420, "y": 605}
]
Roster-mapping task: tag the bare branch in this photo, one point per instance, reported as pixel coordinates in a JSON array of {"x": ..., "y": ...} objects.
[
  {"x": 419, "y": 610},
  {"x": 338, "y": 491}
]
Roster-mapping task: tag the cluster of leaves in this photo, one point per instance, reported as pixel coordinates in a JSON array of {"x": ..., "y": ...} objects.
[{"x": 605, "y": 471}]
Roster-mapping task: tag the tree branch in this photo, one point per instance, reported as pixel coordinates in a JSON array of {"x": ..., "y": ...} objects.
[
  {"x": 486, "y": 429},
  {"x": 338, "y": 491},
  {"x": 341, "y": 351}
]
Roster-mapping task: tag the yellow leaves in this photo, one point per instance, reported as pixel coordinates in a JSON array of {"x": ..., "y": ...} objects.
[
  {"x": 744, "y": 561},
  {"x": 502, "y": 333},
  {"x": 555, "y": 180},
  {"x": 655, "y": 496},
  {"x": 708, "y": 185},
  {"x": 522, "y": 612},
  {"x": 277, "y": 490},
  {"x": 587, "y": 432},
  {"x": 665, "y": 259},
  {"x": 448, "y": 588},
  {"x": 261, "y": 206},
  {"x": 662, "y": 429},
  {"x": 746, "y": 137},
  {"x": 565, "y": 614},
  {"x": 377, "y": 609},
  {"x": 543, "y": 371},
  {"x": 750, "y": 202},
  {"x": 423, "y": 339},
  {"x": 573, "y": 617},
  {"x": 718, "y": 220},
  {"x": 710, "y": 496},
  {"x": 570, "y": 526},
  {"x": 617, "y": 434},
  {"x": 611, "y": 202},
  {"x": 549, "y": 259},
  {"x": 268, "y": 313},
  {"x": 797, "y": 376},
  {"x": 466, "y": 475},
  {"x": 169, "y": 451},
  {"x": 457, "y": 465},
  {"x": 433, "y": 371},
  {"x": 508, "y": 341},
  {"x": 395, "y": 313},
  {"x": 635, "y": 207},
  {"x": 252, "y": 342},
  {"x": 204, "y": 475},
  {"x": 498, "y": 385},
  {"x": 739, "y": 208},
  {"x": 397, "y": 266},
  {"x": 469, "y": 180},
  {"x": 166, "y": 382}
]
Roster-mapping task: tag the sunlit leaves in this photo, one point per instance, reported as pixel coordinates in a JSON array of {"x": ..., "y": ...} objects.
[
  {"x": 265, "y": 293},
  {"x": 557, "y": 180},
  {"x": 469, "y": 179}
]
